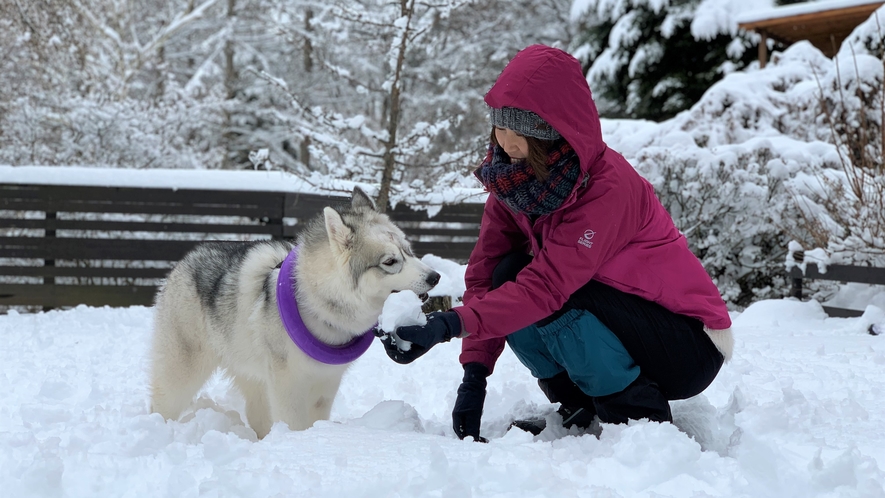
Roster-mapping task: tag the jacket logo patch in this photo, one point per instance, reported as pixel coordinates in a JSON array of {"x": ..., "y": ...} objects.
[{"x": 587, "y": 239}]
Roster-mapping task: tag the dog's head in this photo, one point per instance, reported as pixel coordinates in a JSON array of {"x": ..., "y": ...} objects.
[{"x": 375, "y": 251}]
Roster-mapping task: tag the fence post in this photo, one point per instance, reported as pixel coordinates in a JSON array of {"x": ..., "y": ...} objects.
[
  {"x": 49, "y": 236},
  {"x": 796, "y": 289}
]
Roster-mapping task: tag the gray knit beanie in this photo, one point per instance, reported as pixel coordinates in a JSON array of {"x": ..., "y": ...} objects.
[{"x": 523, "y": 122}]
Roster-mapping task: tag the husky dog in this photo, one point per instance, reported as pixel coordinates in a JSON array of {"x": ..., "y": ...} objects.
[{"x": 220, "y": 307}]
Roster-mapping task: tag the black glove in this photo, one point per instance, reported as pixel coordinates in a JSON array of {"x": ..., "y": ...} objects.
[
  {"x": 441, "y": 327},
  {"x": 467, "y": 414}
]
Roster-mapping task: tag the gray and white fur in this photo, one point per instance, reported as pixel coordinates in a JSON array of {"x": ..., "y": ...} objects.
[{"x": 218, "y": 309}]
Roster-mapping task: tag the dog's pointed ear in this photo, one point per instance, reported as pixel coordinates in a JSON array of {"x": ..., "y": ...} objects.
[
  {"x": 340, "y": 235},
  {"x": 362, "y": 200}
]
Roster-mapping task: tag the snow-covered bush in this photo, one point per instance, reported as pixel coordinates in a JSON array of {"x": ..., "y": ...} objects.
[
  {"x": 729, "y": 207},
  {"x": 843, "y": 205}
]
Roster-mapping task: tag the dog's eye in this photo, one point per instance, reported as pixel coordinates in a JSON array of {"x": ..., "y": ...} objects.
[{"x": 389, "y": 262}]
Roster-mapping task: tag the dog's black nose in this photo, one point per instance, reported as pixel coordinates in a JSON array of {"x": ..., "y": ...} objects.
[{"x": 432, "y": 278}]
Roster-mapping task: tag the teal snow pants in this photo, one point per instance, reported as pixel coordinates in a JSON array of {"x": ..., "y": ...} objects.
[{"x": 576, "y": 342}]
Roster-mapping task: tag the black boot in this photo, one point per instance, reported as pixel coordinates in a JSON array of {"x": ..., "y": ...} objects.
[
  {"x": 641, "y": 399},
  {"x": 577, "y": 408},
  {"x": 579, "y": 417}
]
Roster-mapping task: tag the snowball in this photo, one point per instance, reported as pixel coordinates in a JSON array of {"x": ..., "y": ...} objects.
[{"x": 401, "y": 309}]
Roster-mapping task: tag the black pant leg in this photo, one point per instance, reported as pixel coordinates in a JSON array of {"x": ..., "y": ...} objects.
[
  {"x": 672, "y": 350},
  {"x": 641, "y": 399}
]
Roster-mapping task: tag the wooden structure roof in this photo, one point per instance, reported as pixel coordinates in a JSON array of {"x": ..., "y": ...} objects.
[{"x": 824, "y": 24}]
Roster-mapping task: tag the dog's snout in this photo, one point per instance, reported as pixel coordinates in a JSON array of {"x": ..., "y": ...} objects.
[{"x": 432, "y": 278}]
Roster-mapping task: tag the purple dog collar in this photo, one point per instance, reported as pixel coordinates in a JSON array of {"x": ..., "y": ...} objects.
[{"x": 307, "y": 342}]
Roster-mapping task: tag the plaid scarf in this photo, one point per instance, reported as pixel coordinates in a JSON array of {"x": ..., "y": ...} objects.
[{"x": 516, "y": 185}]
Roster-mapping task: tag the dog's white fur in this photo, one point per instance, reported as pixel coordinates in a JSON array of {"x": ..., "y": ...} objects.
[{"x": 218, "y": 309}]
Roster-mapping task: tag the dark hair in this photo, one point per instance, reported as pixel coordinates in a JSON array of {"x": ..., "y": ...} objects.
[{"x": 537, "y": 153}]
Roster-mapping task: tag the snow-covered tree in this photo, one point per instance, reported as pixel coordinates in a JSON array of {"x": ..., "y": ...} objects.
[
  {"x": 403, "y": 82},
  {"x": 195, "y": 83},
  {"x": 650, "y": 59},
  {"x": 86, "y": 82}
]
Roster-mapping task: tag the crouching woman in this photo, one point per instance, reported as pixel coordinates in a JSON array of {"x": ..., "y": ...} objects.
[{"x": 578, "y": 266}]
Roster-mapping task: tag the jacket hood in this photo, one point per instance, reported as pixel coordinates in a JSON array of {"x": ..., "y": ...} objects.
[{"x": 550, "y": 83}]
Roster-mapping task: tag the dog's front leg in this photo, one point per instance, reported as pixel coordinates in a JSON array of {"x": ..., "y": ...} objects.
[
  {"x": 301, "y": 398},
  {"x": 290, "y": 400},
  {"x": 257, "y": 407},
  {"x": 323, "y": 394}
]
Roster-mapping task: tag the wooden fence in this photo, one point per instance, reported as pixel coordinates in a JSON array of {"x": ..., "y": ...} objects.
[
  {"x": 840, "y": 273},
  {"x": 63, "y": 245},
  {"x": 69, "y": 245}
]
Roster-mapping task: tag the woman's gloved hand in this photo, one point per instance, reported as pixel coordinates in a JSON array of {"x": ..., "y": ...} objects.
[
  {"x": 441, "y": 326},
  {"x": 467, "y": 414}
]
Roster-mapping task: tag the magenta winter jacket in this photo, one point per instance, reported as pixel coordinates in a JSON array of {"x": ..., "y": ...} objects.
[{"x": 612, "y": 228}]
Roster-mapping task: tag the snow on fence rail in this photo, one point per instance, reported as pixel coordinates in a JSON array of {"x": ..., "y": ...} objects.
[{"x": 65, "y": 245}]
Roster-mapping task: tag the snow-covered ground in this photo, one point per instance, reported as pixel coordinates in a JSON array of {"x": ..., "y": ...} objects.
[{"x": 799, "y": 412}]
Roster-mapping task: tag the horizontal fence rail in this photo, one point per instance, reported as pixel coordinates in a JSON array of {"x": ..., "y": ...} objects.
[
  {"x": 842, "y": 273},
  {"x": 69, "y": 245},
  {"x": 839, "y": 273}
]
